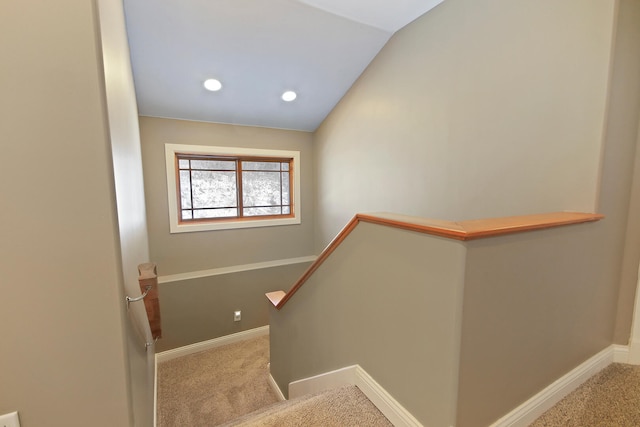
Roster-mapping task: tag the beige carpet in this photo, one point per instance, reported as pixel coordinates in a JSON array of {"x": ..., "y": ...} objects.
[
  {"x": 345, "y": 406},
  {"x": 230, "y": 385},
  {"x": 610, "y": 398},
  {"x": 212, "y": 387}
]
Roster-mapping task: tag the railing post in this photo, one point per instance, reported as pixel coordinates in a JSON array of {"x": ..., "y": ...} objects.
[{"x": 148, "y": 279}]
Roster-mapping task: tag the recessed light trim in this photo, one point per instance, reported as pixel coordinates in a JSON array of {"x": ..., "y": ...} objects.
[
  {"x": 289, "y": 96},
  {"x": 213, "y": 85}
]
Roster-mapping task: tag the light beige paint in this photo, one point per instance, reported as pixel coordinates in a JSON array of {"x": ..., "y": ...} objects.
[
  {"x": 508, "y": 316},
  {"x": 623, "y": 130},
  {"x": 629, "y": 314},
  {"x": 434, "y": 112},
  {"x": 61, "y": 323},
  {"x": 476, "y": 109},
  {"x": 536, "y": 305},
  {"x": 537, "y": 321},
  {"x": 129, "y": 186},
  {"x": 202, "y": 309},
  {"x": 185, "y": 252},
  {"x": 388, "y": 300}
]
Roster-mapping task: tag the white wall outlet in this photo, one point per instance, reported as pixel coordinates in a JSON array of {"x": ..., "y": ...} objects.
[
  {"x": 10, "y": 420},
  {"x": 237, "y": 316}
]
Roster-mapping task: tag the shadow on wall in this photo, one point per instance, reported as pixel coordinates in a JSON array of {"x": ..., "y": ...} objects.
[{"x": 201, "y": 309}]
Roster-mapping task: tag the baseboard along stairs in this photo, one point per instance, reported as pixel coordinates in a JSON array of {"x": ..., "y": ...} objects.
[{"x": 350, "y": 393}]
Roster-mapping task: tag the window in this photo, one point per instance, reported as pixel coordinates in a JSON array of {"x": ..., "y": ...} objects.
[{"x": 213, "y": 188}]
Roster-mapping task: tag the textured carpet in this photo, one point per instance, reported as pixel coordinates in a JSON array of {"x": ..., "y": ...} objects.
[
  {"x": 610, "y": 398},
  {"x": 212, "y": 387},
  {"x": 345, "y": 406},
  {"x": 230, "y": 385}
]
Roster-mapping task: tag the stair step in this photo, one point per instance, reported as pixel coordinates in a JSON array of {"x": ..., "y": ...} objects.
[{"x": 343, "y": 406}]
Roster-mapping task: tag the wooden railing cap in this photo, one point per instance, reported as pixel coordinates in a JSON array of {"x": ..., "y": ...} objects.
[
  {"x": 458, "y": 230},
  {"x": 480, "y": 228}
]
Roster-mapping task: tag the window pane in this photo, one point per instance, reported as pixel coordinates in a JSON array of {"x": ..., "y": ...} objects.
[
  {"x": 285, "y": 188},
  {"x": 213, "y": 189},
  {"x": 262, "y": 211},
  {"x": 185, "y": 190},
  {"x": 261, "y": 166},
  {"x": 228, "y": 165},
  {"x": 285, "y": 166},
  {"x": 214, "y": 213},
  {"x": 261, "y": 188},
  {"x": 286, "y": 210},
  {"x": 183, "y": 164},
  {"x": 186, "y": 215}
]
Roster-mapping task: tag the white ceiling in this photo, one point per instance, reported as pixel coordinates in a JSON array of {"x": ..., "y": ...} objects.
[{"x": 257, "y": 49}]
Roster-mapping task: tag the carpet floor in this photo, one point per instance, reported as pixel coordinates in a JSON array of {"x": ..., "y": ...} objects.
[
  {"x": 229, "y": 386},
  {"x": 215, "y": 386},
  {"x": 225, "y": 384},
  {"x": 342, "y": 407},
  {"x": 610, "y": 398}
]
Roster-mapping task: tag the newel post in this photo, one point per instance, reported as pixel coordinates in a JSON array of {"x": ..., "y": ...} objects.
[{"x": 148, "y": 279}]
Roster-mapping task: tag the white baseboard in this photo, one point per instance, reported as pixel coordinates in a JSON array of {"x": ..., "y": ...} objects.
[
  {"x": 390, "y": 407},
  {"x": 207, "y": 345},
  {"x": 633, "y": 357},
  {"x": 276, "y": 388},
  {"x": 623, "y": 354},
  {"x": 355, "y": 375},
  {"x": 530, "y": 410},
  {"x": 323, "y": 382},
  {"x": 521, "y": 416}
]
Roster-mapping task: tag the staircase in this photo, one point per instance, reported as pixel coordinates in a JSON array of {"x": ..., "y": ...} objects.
[{"x": 344, "y": 406}]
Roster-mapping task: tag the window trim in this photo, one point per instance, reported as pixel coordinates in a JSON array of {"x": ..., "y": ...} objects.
[{"x": 175, "y": 226}]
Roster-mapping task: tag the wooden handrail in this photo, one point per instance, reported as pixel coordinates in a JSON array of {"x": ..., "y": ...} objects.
[
  {"x": 313, "y": 267},
  {"x": 461, "y": 230},
  {"x": 480, "y": 228},
  {"x": 148, "y": 279}
]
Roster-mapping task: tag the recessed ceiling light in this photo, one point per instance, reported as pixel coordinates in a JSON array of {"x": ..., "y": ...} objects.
[
  {"x": 289, "y": 96},
  {"x": 212, "y": 85}
]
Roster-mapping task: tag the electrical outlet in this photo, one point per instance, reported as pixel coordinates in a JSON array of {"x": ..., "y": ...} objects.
[
  {"x": 237, "y": 316},
  {"x": 10, "y": 420}
]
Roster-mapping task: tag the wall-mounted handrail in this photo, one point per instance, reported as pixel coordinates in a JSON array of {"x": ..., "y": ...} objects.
[
  {"x": 148, "y": 279},
  {"x": 313, "y": 267},
  {"x": 140, "y": 298},
  {"x": 460, "y": 230}
]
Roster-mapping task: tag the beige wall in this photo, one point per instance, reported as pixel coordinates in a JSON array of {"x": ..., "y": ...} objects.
[
  {"x": 484, "y": 324},
  {"x": 476, "y": 109},
  {"x": 127, "y": 166},
  {"x": 536, "y": 305},
  {"x": 623, "y": 138},
  {"x": 185, "y": 252},
  {"x": 201, "y": 309},
  {"x": 61, "y": 324},
  {"x": 477, "y": 112},
  {"x": 389, "y": 301}
]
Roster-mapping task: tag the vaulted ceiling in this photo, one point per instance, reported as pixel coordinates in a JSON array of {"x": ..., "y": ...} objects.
[{"x": 257, "y": 49}]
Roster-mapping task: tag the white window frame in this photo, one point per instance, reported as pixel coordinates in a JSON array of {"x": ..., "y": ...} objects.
[{"x": 175, "y": 226}]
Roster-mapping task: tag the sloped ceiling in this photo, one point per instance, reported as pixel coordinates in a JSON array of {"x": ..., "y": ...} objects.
[{"x": 257, "y": 49}]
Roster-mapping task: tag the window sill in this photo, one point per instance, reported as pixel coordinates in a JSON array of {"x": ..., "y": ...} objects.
[{"x": 230, "y": 225}]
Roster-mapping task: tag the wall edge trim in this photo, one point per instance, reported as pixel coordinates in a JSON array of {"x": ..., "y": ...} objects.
[
  {"x": 209, "y": 344},
  {"x": 524, "y": 414},
  {"x": 274, "y": 386},
  {"x": 391, "y": 408},
  {"x": 623, "y": 354},
  {"x": 234, "y": 269},
  {"x": 155, "y": 391}
]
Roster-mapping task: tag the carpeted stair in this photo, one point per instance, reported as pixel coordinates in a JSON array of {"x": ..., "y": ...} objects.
[{"x": 344, "y": 406}]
